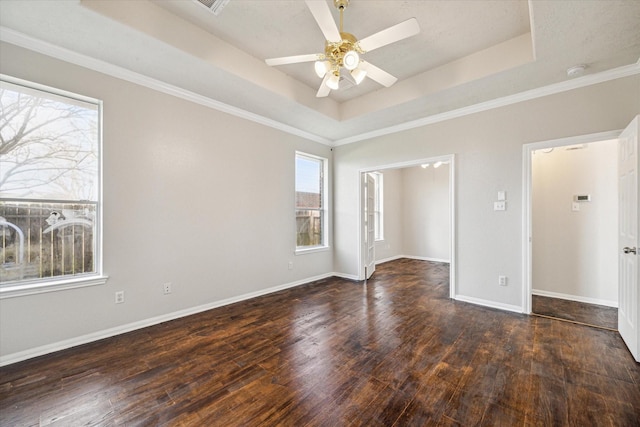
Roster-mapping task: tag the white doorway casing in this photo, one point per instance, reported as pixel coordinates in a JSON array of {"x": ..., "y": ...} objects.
[
  {"x": 527, "y": 202},
  {"x": 362, "y": 247}
]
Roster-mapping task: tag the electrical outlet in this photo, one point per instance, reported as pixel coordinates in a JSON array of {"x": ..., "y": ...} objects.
[
  {"x": 502, "y": 280},
  {"x": 119, "y": 297},
  {"x": 166, "y": 288}
]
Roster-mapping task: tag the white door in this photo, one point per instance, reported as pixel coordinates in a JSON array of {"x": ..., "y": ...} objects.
[
  {"x": 369, "y": 226},
  {"x": 628, "y": 294}
]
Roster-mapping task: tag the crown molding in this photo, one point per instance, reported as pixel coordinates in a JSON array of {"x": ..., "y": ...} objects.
[
  {"x": 592, "y": 79},
  {"x": 22, "y": 40}
]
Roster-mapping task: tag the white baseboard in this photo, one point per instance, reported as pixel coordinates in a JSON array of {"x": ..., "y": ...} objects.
[
  {"x": 607, "y": 303},
  {"x": 487, "y": 303},
  {"x": 423, "y": 258},
  {"x": 106, "y": 333},
  {"x": 393, "y": 258},
  {"x": 353, "y": 277},
  {"x": 420, "y": 258}
]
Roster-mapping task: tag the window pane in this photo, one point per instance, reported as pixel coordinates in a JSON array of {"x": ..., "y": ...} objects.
[
  {"x": 308, "y": 182},
  {"x": 308, "y": 227},
  {"x": 49, "y": 146},
  {"x": 46, "y": 240}
]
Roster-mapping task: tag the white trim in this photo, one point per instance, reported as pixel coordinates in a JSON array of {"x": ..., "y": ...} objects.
[
  {"x": 310, "y": 250},
  {"x": 577, "y": 298},
  {"x": 23, "y": 289},
  {"x": 423, "y": 258},
  {"x": 527, "y": 250},
  {"x": 352, "y": 277},
  {"x": 106, "y": 333},
  {"x": 552, "y": 89},
  {"x": 487, "y": 303},
  {"x": 419, "y": 258},
  {"x": 45, "y": 48},
  {"x": 393, "y": 258}
]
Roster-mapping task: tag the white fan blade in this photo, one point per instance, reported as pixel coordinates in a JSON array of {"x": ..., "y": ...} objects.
[
  {"x": 393, "y": 34},
  {"x": 322, "y": 14},
  {"x": 324, "y": 90},
  {"x": 378, "y": 75},
  {"x": 293, "y": 59}
]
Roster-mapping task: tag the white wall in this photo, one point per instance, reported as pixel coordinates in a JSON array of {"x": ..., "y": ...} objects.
[
  {"x": 576, "y": 253},
  {"x": 488, "y": 148},
  {"x": 426, "y": 212},
  {"x": 191, "y": 195}
]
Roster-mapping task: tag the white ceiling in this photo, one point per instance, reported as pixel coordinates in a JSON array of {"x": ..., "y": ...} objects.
[{"x": 467, "y": 53}]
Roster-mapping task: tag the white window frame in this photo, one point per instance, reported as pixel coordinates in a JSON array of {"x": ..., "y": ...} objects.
[
  {"x": 323, "y": 212},
  {"x": 378, "y": 179},
  {"x": 37, "y": 286}
]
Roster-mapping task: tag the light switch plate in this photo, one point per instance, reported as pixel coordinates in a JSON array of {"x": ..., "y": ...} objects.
[{"x": 502, "y": 195}]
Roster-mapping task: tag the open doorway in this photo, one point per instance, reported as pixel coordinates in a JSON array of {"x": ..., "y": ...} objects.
[
  {"x": 417, "y": 217},
  {"x": 572, "y": 230}
]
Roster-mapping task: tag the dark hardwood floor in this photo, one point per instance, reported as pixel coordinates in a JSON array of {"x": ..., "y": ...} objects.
[
  {"x": 590, "y": 314},
  {"x": 397, "y": 352}
]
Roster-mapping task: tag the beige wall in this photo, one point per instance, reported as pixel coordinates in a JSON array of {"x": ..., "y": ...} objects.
[
  {"x": 192, "y": 196},
  {"x": 426, "y": 212},
  {"x": 416, "y": 214},
  {"x": 488, "y": 149},
  {"x": 575, "y": 253}
]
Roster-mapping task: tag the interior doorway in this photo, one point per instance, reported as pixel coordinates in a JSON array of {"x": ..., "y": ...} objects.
[
  {"x": 417, "y": 236},
  {"x": 571, "y": 229}
]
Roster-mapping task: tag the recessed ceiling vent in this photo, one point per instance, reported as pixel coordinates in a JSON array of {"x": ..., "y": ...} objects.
[{"x": 214, "y": 6}]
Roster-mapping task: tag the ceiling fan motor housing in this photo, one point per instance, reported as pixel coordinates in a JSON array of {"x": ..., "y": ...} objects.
[{"x": 335, "y": 52}]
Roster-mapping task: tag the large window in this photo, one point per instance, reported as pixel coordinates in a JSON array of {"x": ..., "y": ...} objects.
[
  {"x": 49, "y": 186},
  {"x": 310, "y": 202}
]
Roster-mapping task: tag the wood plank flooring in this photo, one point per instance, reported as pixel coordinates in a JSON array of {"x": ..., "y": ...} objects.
[
  {"x": 599, "y": 316},
  {"x": 396, "y": 352}
]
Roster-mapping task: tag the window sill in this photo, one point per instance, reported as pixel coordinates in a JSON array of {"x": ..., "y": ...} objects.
[
  {"x": 23, "y": 289},
  {"x": 311, "y": 250}
]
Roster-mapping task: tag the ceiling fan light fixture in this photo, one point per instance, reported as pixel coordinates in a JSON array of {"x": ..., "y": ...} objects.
[
  {"x": 351, "y": 60},
  {"x": 322, "y": 68},
  {"x": 358, "y": 75},
  {"x": 333, "y": 82}
]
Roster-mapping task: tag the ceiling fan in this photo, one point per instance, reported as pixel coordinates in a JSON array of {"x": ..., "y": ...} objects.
[{"x": 342, "y": 50}]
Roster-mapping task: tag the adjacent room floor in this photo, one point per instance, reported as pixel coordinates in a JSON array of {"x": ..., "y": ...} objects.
[
  {"x": 599, "y": 316},
  {"x": 396, "y": 351}
]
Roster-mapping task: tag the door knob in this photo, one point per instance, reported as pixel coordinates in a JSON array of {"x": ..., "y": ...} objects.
[{"x": 628, "y": 250}]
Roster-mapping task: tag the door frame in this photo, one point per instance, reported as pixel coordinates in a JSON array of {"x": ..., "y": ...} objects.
[
  {"x": 527, "y": 220},
  {"x": 452, "y": 211}
]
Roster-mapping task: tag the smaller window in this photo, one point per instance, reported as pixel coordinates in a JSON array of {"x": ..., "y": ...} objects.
[
  {"x": 310, "y": 206},
  {"x": 379, "y": 204}
]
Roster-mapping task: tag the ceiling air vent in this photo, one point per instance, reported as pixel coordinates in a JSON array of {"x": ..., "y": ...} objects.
[{"x": 214, "y": 6}]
